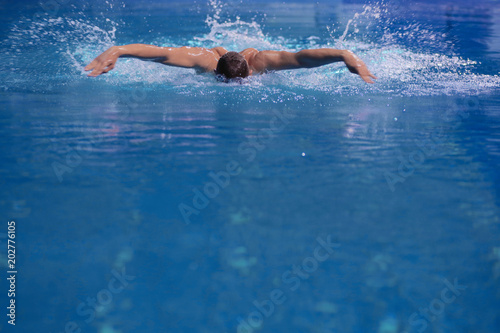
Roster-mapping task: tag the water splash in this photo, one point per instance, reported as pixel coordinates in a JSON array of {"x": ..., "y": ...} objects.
[
  {"x": 49, "y": 51},
  {"x": 234, "y": 35},
  {"x": 55, "y": 50},
  {"x": 367, "y": 12}
]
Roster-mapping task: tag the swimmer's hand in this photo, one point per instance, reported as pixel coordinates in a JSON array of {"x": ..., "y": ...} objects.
[
  {"x": 104, "y": 62},
  {"x": 357, "y": 66}
]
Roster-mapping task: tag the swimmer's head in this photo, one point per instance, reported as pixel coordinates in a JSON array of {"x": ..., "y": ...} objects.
[{"x": 232, "y": 65}]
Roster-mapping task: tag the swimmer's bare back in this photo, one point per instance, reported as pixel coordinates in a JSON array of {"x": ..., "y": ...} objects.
[{"x": 205, "y": 60}]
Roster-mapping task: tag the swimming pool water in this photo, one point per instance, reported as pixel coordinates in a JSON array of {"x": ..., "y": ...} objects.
[{"x": 155, "y": 200}]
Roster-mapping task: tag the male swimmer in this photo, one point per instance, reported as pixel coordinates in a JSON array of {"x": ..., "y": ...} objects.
[{"x": 229, "y": 65}]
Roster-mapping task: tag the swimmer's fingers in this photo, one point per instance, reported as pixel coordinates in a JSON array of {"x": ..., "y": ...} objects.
[
  {"x": 107, "y": 69},
  {"x": 368, "y": 77},
  {"x": 357, "y": 66},
  {"x": 364, "y": 73},
  {"x": 101, "y": 68},
  {"x": 95, "y": 66},
  {"x": 96, "y": 71},
  {"x": 103, "y": 63},
  {"x": 90, "y": 66}
]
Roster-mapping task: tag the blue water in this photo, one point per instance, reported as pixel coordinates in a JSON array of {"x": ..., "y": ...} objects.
[{"x": 103, "y": 176}]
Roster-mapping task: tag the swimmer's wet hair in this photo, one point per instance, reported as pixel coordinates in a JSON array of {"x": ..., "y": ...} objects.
[{"x": 232, "y": 65}]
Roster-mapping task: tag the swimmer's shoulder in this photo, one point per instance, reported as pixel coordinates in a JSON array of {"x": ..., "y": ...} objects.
[
  {"x": 250, "y": 52},
  {"x": 219, "y": 50},
  {"x": 249, "y": 55}
]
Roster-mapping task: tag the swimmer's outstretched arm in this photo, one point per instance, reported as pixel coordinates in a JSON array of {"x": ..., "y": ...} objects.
[
  {"x": 279, "y": 60},
  {"x": 204, "y": 60}
]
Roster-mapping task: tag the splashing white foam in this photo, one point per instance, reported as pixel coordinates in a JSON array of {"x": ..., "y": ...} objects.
[{"x": 74, "y": 42}]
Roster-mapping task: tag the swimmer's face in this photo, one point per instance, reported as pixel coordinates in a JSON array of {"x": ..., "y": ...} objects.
[{"x": 232, "y": 65}]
